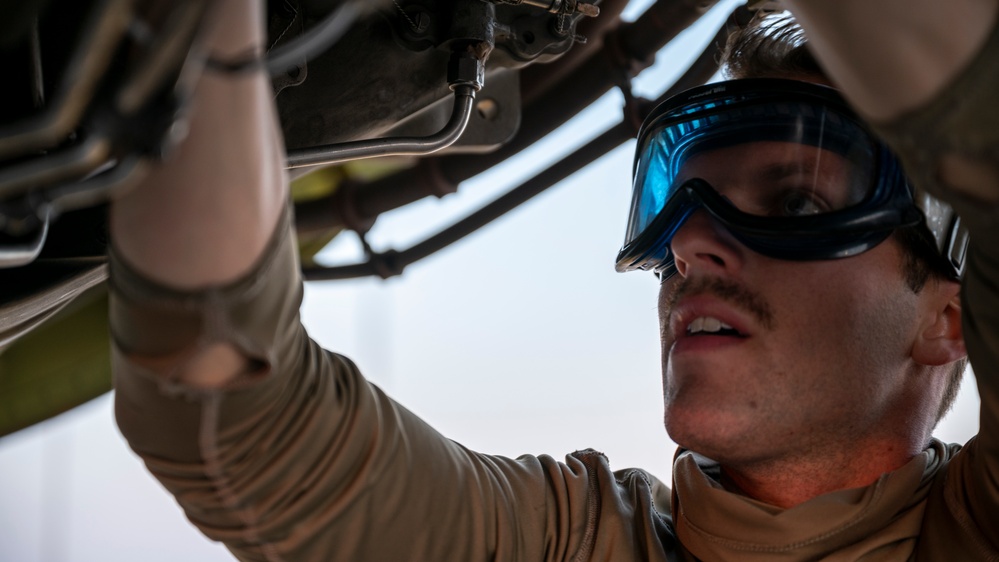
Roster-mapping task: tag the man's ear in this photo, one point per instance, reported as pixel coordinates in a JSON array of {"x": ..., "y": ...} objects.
[{"x": 940, "y": 340}]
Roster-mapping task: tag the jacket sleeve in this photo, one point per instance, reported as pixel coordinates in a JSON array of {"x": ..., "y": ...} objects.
[
  {"x": 964, "y": 122},
  {"x": 302, "y": 459}
]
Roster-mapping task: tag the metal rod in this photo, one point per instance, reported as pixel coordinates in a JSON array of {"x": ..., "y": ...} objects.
[
  {"x": 90, "y": 58},
  {"x": 65, "y": 165},
  {"x": 166, "y": 56},
  {"x": 98, "y": 189},
  {"x": 464, "y": 97},
  {"x": 23, "y": 254},
  {"x": 392, "y": 263},
  {"x": 436, "y": 176}
]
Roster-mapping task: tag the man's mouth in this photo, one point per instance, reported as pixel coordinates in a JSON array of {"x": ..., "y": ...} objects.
[
  {"x": 710, "y": 326},
  {"x": 708, "y": 306}
]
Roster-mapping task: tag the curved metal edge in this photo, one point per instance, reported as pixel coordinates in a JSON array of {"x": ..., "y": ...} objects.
[
  {"x": 23, "y": 254},
  {"x": 464, "y": 98}
]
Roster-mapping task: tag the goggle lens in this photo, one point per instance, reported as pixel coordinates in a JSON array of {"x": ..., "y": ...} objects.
[
  {"x": 777, "y": 160},
  {"x": 783, "y": 165}
]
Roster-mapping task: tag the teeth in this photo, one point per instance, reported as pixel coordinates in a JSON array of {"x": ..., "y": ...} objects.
[{"x": 707, "y": 324}]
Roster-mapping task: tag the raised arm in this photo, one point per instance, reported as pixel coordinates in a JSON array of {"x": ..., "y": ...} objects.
[
  {"x": 204, "y": 216},
  {"x": 926, "y": 74},
  {"x": 271, "y": 444}
]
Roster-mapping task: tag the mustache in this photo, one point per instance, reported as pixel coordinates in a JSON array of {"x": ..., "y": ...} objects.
[{"x": 727, "y": 290}]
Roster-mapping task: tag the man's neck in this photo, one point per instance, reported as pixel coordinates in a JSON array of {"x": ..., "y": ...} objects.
[{"x": 788, "y": 482}]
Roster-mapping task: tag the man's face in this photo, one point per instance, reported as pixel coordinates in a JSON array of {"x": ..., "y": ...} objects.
[{"x": 765, "y": 357}]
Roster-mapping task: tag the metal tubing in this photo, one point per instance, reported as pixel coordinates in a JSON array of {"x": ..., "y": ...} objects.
[
  {"x": 98, "y": 189},
  {"x": 171, "y": 47},
  {"x": 580, "y": 89},
  {"x": 436, "y": 176},
  {"x": 603, "y": 71},
  {"x": 23, "y": 254},
  {"x": 392, "y": 263},
  {"x": 464, "y": 97},
  {"x": 78, "y": 85},
  {"x": 66, "y": 165}
]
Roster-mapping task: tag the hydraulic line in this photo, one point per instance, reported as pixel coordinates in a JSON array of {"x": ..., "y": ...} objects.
[
  {"x": 464, "y": 98},
  {"x": 23, "y": 254},
  {"x": 466, "y": 71},
  {"x": 60, "y": 166},
  {"x": 438, "y": 176},
  {"x": 631, "y": 45},
  {"x": 392, "y": 262},
  {"x": 77, "y": 87}
]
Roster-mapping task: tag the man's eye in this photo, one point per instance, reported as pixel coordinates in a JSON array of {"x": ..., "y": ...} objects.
[{"x": 796, "y": 203}]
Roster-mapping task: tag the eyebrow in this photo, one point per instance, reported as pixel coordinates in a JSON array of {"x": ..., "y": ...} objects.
[{"x": 782, "y": 170}]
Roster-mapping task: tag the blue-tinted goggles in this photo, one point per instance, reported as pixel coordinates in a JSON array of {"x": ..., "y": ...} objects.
[{"x": 784, "y": 165}]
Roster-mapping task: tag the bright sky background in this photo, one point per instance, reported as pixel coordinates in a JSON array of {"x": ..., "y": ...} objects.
[{"x": 519, "y": 339}]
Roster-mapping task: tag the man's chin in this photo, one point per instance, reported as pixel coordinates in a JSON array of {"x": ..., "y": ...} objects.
[{"x": 708, "y": 432}]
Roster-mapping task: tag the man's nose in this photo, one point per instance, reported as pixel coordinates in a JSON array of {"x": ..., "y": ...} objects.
[{"x": 703, "y": 245}]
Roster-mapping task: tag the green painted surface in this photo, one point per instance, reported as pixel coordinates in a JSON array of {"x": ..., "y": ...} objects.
[{"x": 61, "y": 364}]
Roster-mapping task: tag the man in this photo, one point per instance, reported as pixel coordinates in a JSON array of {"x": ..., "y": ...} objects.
[{"x": 810, "y": 368}]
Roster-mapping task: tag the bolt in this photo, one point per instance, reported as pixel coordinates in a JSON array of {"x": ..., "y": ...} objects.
[
  {"x": 488, "y": 108},
  {"x": 464, "y": 69}
]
